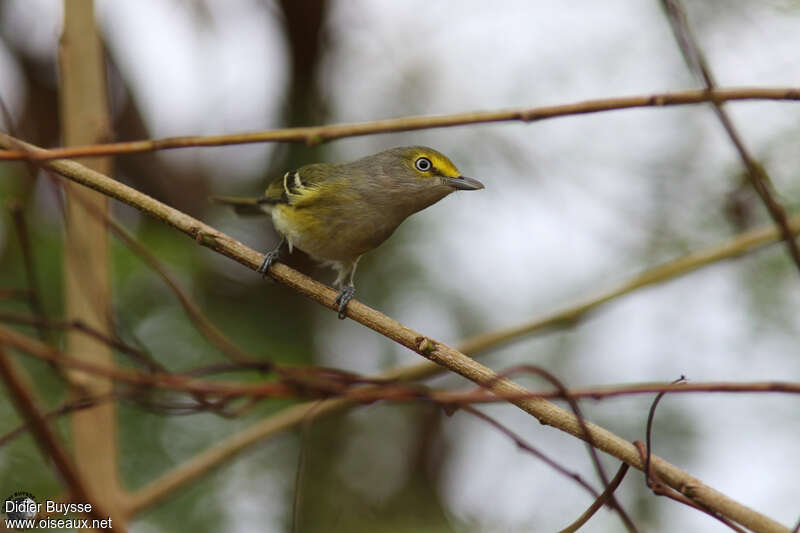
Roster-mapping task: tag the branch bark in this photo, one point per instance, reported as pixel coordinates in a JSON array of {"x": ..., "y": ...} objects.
[
  {"x": 84, "y": 119},
  {"x": 313, "y": 135}
]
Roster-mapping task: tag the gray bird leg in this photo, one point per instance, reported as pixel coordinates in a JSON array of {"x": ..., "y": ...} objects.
[
  {"x": 348, "y": 290},
  {"x": 270, "y": 257},
  {"x": 345, "y": 295}
]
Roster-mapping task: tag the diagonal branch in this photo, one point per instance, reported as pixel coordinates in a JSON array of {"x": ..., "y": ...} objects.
[
  {"x": 546, "y": 412},
  {"x": 758, "y": 175},
  {"x": 313, "y": 135}
]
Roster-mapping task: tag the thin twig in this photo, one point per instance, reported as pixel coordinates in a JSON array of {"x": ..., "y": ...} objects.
[
  {"x": 314, "y": 135},
  {"x": 601, "y": 392},
  {"x": 135, "y": 354},
  {"x": 599, "y": 502},
  {"x": 81, "y": 403},
  {"x": 315, "y": 382},
  {"x": 755, "y": 171},
  {"x": 586, "y": 435},
  {"x": 198, "y": 318},
  {"x": 650, "y": 416},
  {"x": 40, "y": 350},
  {"x": 653, "y": 480},
  {"x": 522, "y": 445}
]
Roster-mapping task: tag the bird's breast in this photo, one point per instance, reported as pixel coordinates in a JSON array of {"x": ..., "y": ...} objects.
[{"x": 330, "y": 234}]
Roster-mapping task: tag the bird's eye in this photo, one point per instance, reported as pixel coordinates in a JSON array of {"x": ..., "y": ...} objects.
[{"x": 423, "y": 164}]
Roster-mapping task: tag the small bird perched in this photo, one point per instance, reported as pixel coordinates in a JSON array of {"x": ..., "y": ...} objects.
[{"x": 335, "y": 212}]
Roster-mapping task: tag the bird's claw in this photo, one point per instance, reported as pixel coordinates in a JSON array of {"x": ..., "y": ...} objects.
[
  {"x": 269, "y": 258},
  {"x": 345, "y": 295}
]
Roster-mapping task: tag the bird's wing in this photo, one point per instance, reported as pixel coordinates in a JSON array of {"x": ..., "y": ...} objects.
[{"x": 303, "y": 186}]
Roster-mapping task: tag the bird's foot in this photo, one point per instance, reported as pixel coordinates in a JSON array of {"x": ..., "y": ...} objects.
[
  {"x": 345, "y": 295},
  {"x": 269, "y": 258}
]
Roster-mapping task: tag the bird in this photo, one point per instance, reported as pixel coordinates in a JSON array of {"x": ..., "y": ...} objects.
[{"x": 336, "y": 212}]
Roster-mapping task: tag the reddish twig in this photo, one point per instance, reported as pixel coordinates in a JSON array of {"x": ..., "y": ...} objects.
[
  {"x": 653, "y": 480},
  {"x": 587, "y": 436},
  {"x": 599, "y": 502},
  {"x": 71, "y": 407},
  {"x": 77, "y": 325},
  {"x": 522, "y": 445}
]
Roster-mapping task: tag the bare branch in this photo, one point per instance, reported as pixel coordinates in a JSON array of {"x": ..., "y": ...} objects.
[
  {"x": 313, "y": 135},
  {"x": 756, "y": 172}
]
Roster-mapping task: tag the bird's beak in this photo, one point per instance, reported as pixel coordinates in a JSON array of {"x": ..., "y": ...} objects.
[{"x": 464, "y": 184}]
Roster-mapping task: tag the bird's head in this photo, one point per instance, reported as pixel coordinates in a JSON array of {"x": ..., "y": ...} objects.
[
  {"x": 404, "y": 180},
  {"x": 430, "y": 168}
]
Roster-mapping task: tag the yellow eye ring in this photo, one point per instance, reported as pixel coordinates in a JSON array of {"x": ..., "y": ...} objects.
[{"x": 423, "y": 164}]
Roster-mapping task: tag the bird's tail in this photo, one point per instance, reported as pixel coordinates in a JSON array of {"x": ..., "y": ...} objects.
[{"x": 244, "y": 206}]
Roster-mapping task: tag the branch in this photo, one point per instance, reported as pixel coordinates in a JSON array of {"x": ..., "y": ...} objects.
[
  {"x": 85, "y": 118},
  {"x": 599, "y": 502},
  {"x": 313, "y": 135},
  {"x": 758, "y": 175}
]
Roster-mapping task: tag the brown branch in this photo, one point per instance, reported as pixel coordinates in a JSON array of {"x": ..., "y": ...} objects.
[
  {"x": 602, "y": 392},
  {"x": 442, "y": 354},
  {"x": 83, "y": 403},
  {"x": 316, "y": 381},
  {"x": 599, "y": 502},
  {"x": 756, "y": 172},
  {"x": 313, "y": 135},
  {"x": 40, "y": 350},
  {"x": 22, "y": 396},
  {"x": 203, "y": 324}
]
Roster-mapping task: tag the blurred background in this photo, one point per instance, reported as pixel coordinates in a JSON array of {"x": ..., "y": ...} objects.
[{"x": 571, "y": 206}]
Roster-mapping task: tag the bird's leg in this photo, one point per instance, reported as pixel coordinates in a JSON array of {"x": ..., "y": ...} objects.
[
  {"x": 270, "y": 257},
  {"x": 345, "y": 295},
  {"x": 347, "y": 290}
]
